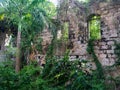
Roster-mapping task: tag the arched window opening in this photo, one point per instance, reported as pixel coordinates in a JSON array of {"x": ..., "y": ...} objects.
[{"x": 94, "y": 27}]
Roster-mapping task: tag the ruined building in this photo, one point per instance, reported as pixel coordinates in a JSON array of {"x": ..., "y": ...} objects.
[
  {"x": 79, "y": 18},
  {"x": 98, "y": 19}
]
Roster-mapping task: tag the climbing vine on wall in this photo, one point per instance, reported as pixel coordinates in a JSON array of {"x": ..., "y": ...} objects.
[
  {"x": 90, "y": 50},
  {"x": 117, "y": 52}
]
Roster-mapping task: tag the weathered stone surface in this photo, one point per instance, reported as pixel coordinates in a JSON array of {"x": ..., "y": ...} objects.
[
  {"x": 104, "y": 47},
  {"x": 110, "y": 31},
  {"x": 110, "y": 43},
  {"x": 102, "y": 56},
  {"x": 110, "y": 51}
]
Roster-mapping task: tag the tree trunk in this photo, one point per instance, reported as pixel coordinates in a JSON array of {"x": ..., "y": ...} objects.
[{"x": 17, "y": 66}]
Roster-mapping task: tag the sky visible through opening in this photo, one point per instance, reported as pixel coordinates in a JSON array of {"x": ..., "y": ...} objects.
[{"x": 56, "y": 1}]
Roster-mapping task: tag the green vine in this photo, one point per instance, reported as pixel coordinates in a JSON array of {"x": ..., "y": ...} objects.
[
  {"x": 90, "y": 50},
  {"x": 117, "y": 52}
]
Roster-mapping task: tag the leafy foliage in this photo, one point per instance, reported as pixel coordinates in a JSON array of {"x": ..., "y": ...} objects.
[
  {"x": 65, "y": 31},
  {"x": 58, "y": 74},
  {"x": 117, "y": 52}
]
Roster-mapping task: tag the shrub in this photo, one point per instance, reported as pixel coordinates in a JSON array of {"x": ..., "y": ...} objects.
[{"x": 58, "y": 74}]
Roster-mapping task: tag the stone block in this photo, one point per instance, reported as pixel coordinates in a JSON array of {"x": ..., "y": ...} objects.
[
  {"x": 110, "y": 43},
  {"x": 110, "y": 51},
  {"x": 104, "y": 51},
  {"x": 100, "y": 51},
  {"x": 104, "y": 47},
  {"x": 109, "y": 55},
  {"x": 113, "y": 56},
  {"x": 113, "y": 35},
  {"x": 96, "y": 51},
  {"x": 84, "y": 57},
  {"x": 105, "y": 62},
  {"x": 102, "y": 43},
  {"x": 72, "y": 57},
  {"x": 111, "y": 62},
  {"x": 105, "y": 12},
  {"x": 109, "y": 47},
  {"x": 96, "y": 47},
  {"x": 102, "y": 56}
]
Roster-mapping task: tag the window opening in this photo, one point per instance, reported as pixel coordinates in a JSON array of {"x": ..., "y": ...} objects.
[{"x": 94, "y": 27}]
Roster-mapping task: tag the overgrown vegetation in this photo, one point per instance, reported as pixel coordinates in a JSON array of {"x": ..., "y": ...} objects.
[
  {"x": 29, "y": 18},
  {"x": 117, "y": 52},
  {"x": 58, "y": 74}
]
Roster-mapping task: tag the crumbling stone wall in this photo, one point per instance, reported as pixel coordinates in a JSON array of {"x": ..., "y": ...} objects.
[
  {"x": 46, "y": 37},
  {"x": 78, "y": 34},
  {"x": 77, "y": 16},
  {"x": 110, "y": 31}
]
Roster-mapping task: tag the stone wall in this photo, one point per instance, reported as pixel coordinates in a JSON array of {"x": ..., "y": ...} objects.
[
  {"x": 77, "y": 15},
  {"x": 78, "y": 34},
  {"x": 110, "y": 31},
  {"x": 46, "y": 37}
]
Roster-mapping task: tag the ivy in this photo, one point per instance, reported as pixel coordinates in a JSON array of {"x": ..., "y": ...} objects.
[
  {"x": 117, "y": 52},
  {"x": 90, "y": 50}
]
